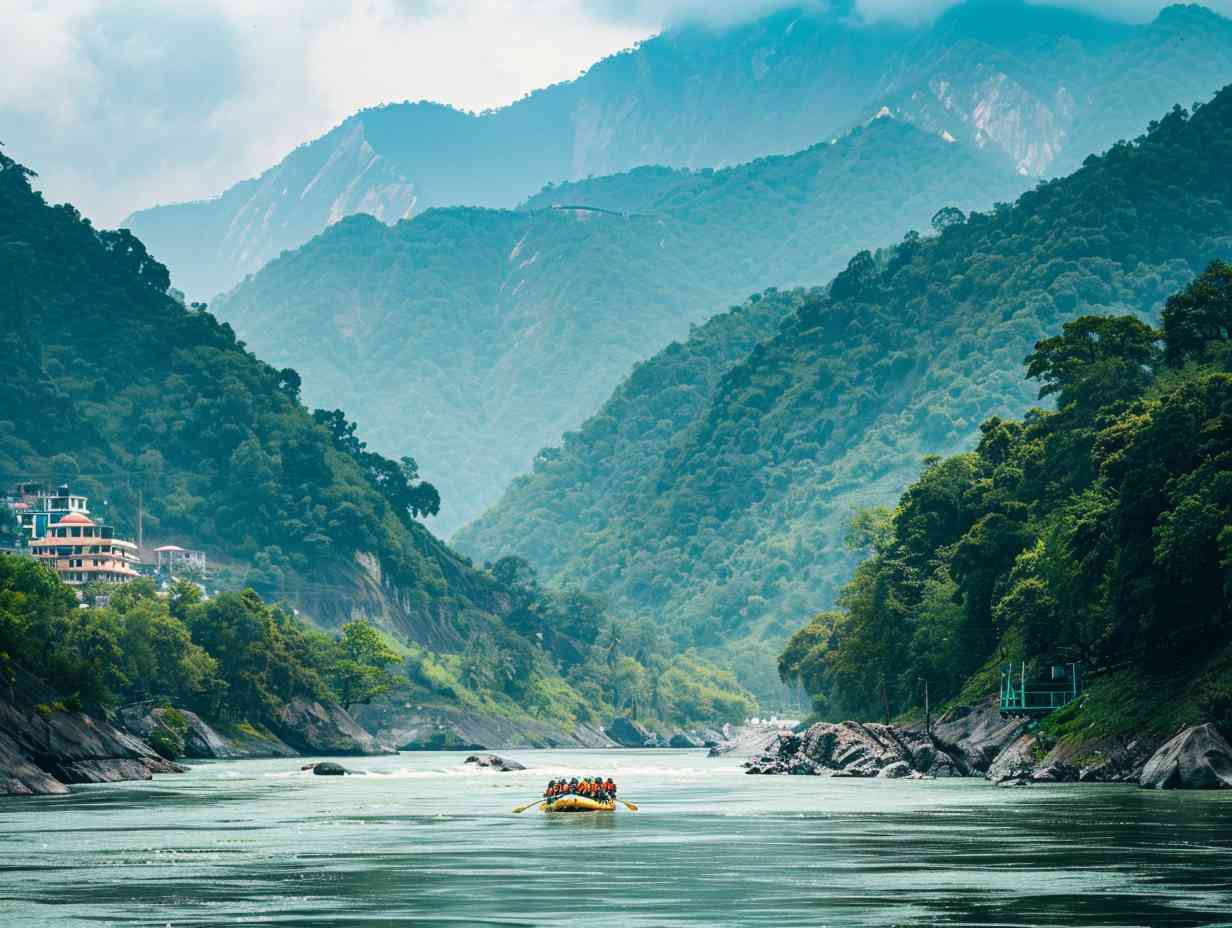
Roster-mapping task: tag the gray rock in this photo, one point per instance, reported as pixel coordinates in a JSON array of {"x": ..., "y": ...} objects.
[
  {"x": 1055, "y": 772},
  {"x": 683, "y": 739},
  {"x": 628, "y": 733},
  {"x": 711, "y": 738},
  {"x": 895, "y": 771},
  {"x": 44, "y": 746},
  {"x": 494, "y": 762},
  {"x": 324, "y": 728},
  {"x": 975, "y": 735},
  {"x": 1015, "y": 762},
  {"x": 200, "y": 739},
  {"x": 329, "y": 769},
  {"x": 1197, "y": 758}
]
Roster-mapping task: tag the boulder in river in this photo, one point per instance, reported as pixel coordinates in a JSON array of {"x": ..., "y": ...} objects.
[
  {"x": 494, "y": 762},
  {"x": 1197, "y": 758},
  {"x": 327, "y": 768},
  {"x": 629, "y": 734}
]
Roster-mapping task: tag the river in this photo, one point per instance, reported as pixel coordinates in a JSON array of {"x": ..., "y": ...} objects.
[{"x": 423, "y": 840}]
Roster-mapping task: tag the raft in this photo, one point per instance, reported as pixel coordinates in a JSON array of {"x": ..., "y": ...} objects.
[{"x": 578, "y": 804}]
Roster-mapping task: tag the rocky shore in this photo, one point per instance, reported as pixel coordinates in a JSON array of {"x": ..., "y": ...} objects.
[
  {"x": 46, "y": 745},
  {"x": 974, "y": 741}
]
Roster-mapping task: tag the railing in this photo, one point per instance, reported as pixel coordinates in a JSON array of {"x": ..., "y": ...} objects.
[{"x": 1020, "y": 696}]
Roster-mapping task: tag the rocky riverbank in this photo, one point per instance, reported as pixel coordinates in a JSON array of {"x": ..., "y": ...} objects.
[
  {"x": 44, "y": 745},
  {"x": 974, "y": 741}
]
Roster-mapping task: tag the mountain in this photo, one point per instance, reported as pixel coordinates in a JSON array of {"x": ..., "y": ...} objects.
[
  {"x": 1037, "y": 87},
  {"x": 732, "y": 526},
  {"x": 480, "y": 335},
  {"x": 149, "y": 406}
]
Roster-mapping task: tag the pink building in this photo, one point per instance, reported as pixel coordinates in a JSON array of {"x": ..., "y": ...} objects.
[{"x": 80, "y": 550}]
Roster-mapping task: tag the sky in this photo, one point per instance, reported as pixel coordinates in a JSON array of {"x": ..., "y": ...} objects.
[{"x": 120, "y": 104}]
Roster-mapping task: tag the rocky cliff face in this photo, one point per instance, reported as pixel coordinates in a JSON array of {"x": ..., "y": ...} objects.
[
  {"x": 1036, "y": 87},
  {"x": 44, "y": 746}
]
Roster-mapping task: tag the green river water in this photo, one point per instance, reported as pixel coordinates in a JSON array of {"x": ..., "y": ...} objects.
[{"x": 423, "y": 840}]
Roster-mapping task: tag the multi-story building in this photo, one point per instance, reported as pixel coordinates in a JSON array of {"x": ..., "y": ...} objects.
[
  {"x": 172, "y": 559},
  {"x": 80, "y": 550},
  {"x": 38, "y": 508}
]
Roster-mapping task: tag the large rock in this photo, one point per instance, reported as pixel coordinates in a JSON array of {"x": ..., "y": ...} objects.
[
  {"x": 200, "y": 740},
  {"x": 975, "y": 735},
  {"x": 494, "y": 762},
  {"x": 628, "y": 733},
  {"x": 1197, "y": 758},
  {"x": 1015, "y": 762},
  {"x": 44, "y": 746},
  {"x": 324, "y": 728},
  {"x": 855, "y": 749}
]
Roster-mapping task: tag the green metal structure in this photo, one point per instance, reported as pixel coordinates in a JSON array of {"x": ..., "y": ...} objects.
[{"x": 1033, "y": 697}]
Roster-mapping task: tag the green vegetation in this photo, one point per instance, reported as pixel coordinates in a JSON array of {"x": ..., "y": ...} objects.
[
  {"x": 482, "y": 335},
  {"x": 731, "y": 530},
  {"x": 121, "y": 390},
  {"x": 1096, "y": 533}
]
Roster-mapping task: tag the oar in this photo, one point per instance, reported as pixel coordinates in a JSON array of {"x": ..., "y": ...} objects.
[
  {"x": 628, "y": 805},
  {"x": 520, "y": 809}
]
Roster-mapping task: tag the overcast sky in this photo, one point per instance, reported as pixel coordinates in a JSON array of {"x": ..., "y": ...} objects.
[{"x": 120, "y": 104}]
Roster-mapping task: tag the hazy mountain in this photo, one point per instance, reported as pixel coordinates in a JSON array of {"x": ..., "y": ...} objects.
[
  {"x": 1039, "y": 88},
  {"x": 119, "y": 389},
  {"x": 475, "y": 336},
  {"x": 728, "y": 527}
]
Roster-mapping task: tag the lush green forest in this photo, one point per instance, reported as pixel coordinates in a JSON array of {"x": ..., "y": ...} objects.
[
  {"x": 737, "y": 528},
  {"x": 1036, "y": 87},
  {"x": 136, "y": 399},
  {"x": 482, "y": 335},
  {"x": 1099, "y": 532}
]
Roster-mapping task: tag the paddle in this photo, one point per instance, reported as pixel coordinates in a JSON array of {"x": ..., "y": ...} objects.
[
  {"x": 520, "y": 809},
  {"x": 628, "y": 805}
]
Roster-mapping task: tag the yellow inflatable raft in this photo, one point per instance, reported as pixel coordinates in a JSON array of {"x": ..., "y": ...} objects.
[{"x": 578, "y": 804}]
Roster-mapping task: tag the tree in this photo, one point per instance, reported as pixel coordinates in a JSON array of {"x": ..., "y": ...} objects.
[
  {"x": 947, "y": 217},
  {"x": 361, "y": 672},
  {"x": 1096, "y": 361},
  {"x": 1200, "y": 316}
]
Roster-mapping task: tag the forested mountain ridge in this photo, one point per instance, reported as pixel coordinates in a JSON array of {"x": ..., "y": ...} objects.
[
  {"x": 1097, "y": 533},
  {"x": 145, "y": 404},
  {"x": 485, "y": 334},
  {"x": 739, "y": 528},
  {"x": 1036, "y": 87}
]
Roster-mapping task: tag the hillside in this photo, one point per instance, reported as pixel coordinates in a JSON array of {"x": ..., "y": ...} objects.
[
  {"x": 1036, "y": 88},
  {"x": 1096, "y": 533},
  {"x": 478, "y": 336},
  {"x": 735, "y": 531},
  {"x": 144, "y": 404}
]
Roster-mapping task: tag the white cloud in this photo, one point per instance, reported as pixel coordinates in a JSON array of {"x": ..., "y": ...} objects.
[{"x": 120, "y": 104}]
